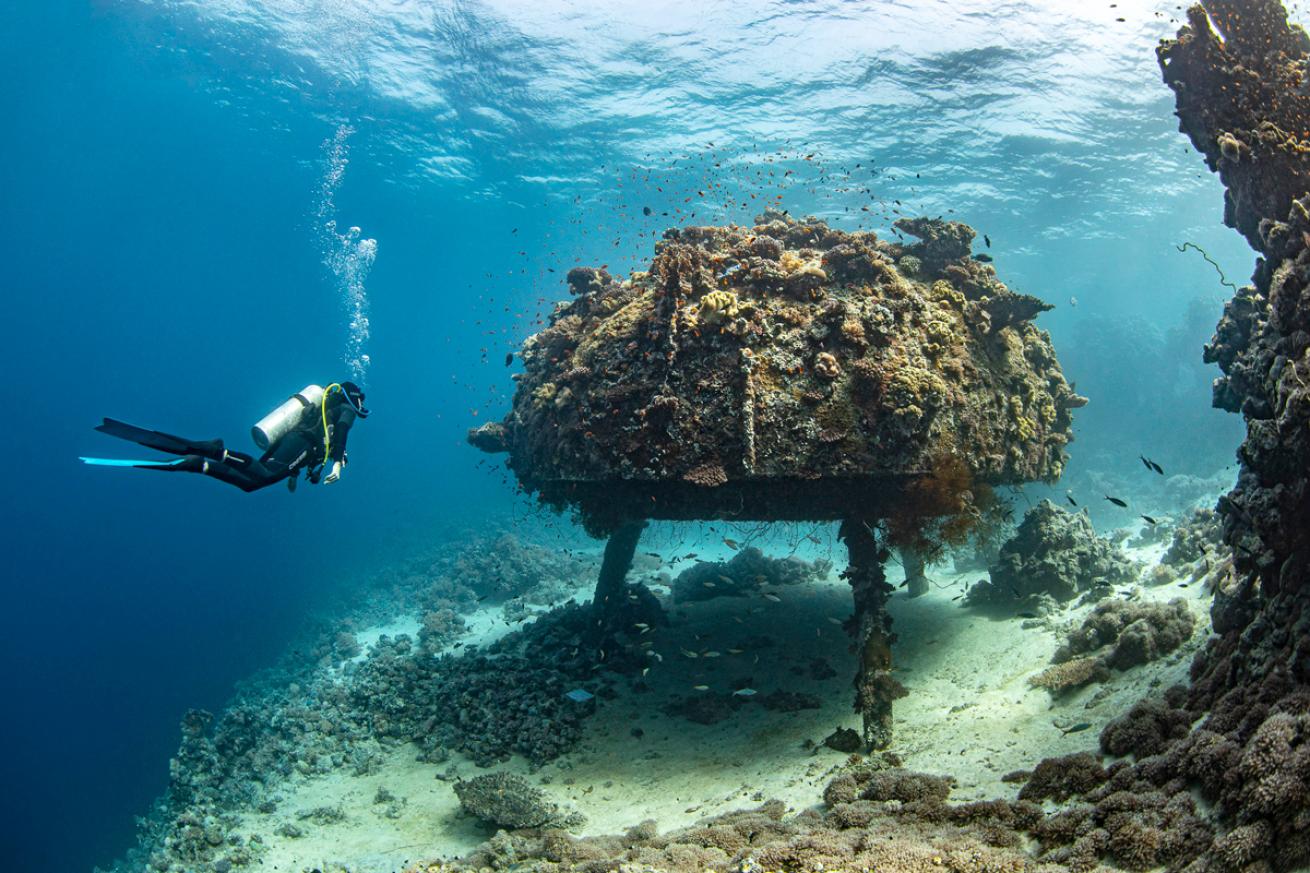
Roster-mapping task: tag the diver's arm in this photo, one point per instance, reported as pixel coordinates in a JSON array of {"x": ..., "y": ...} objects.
[{"x": 340, "y": 433}]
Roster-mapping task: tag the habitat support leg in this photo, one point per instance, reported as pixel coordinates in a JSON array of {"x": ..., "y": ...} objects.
[
  {"x": 916, "y": 571},
  {"x": 875, "y": 689},
  {"x": 619, "y": 549}
]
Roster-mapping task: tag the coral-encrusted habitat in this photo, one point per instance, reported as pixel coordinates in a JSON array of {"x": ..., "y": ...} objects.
[{"x": 788, "y": 371}]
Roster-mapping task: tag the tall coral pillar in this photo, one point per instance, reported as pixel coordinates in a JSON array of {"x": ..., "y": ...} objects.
[
  {"x": 874, "y": 686},
  {"x": 619, "y": 549}
]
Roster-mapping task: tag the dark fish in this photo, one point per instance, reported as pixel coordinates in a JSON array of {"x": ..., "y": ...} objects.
[
  {"x": 957, "y": 597},
  {"x": 645, "y": 210},
  {"x": 1081, "y": 726},
  {"x": 1072, "y": 502},
  {"x": 1150, "y": 520},
  {"x": 1116, "y": 501},
  {"x": 1157, "y": 468},
  {"x": 987, "y": 239},
  {"x": 983, "y": 258},
  {"x": 1025, "y": 615},
  {"x": 509, "y": 358}
]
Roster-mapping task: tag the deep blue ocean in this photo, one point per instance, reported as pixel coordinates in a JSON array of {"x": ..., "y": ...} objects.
[{"x": 169, "y": 173}]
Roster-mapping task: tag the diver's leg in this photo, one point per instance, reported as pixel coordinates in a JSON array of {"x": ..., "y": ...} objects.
[
  {"x": 875, "y": 689},
  {"x": 164, "y": 442},
  {"x": 250, "y": 476}
]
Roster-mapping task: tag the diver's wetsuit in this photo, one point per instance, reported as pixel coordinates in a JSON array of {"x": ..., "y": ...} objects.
[{"x": 300, "y": 449}]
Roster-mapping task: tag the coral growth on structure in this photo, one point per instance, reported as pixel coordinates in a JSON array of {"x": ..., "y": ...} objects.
[
  {"x": 789, "y": 371},
  {"x": 1054, "y": 554}
]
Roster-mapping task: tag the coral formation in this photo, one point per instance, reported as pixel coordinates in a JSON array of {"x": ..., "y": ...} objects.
[
  {"x": 1195, "y": 539},
  {"x": 510, "y": 801},
  {"x": 745, "y": 573},
  {"x": 1127, "y": 633},
  {"x": 1069, "y": 674},
  {"x": 1054, "y": 553},
  {"x": 814, "y": 377},
  {"x": 915, "y": 837}
]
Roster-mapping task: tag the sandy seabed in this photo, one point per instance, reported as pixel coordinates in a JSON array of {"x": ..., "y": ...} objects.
[{"x": 970, "y": 713}]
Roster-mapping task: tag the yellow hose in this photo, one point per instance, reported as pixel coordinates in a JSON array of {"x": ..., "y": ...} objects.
[{"x": 327, "y": 437}]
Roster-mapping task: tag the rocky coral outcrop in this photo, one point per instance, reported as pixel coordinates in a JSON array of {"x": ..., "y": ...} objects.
[
  {"x": 510, "y": 801},
  {"x": 745, "y": 573},
  {"x": 1055, "y": 554},
  {"x": 1237, "y": 70},
  {"x": 1129, "y": 633}
]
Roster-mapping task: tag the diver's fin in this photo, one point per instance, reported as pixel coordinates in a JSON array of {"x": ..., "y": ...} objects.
[
  {"x": 164, "y": 442},
  {"x": 123, "y": 462}
]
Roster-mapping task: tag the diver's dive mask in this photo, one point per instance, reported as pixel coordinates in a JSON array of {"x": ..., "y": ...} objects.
[{"x": 355, "y": 397}]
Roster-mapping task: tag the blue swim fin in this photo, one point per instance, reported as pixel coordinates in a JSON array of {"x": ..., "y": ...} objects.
[{"x": 122, "y": 462}]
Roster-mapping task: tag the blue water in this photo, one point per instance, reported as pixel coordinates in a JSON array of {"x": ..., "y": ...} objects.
[{"x": 169, "y": 171}]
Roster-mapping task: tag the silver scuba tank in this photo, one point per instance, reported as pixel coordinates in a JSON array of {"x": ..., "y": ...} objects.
[{"x": 286, "y": 417}]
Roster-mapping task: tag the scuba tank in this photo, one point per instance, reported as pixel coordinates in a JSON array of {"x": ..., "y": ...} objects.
[{"x": 286, "y": 417}]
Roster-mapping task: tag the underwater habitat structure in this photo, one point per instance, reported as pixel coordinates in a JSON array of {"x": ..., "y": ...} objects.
[
  {"x": 792, "y": 372},
  {"x": 796, "y": 566}
]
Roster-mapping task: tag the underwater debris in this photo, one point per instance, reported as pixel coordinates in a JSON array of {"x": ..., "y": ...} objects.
[{"x": 1055, "y": 553}]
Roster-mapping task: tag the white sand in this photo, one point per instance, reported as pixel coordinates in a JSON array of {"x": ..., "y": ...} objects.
[{"x": 970, "y": 713}]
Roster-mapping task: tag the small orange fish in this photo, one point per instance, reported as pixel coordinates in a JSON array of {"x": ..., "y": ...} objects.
[{"x": 732, "y": 544}]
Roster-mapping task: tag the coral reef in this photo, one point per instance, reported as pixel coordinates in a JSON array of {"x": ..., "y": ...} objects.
[
  {"x": 787, "y": 371},
  {"x": 913, "y": 837},
  {"x": 510, "y": 801},
  {"x": 1195, "y": 539},
  {"x": 747, "y": 571},
  {"x": 1240, "y": 98},
  {"x": 1054, "y": 553}
]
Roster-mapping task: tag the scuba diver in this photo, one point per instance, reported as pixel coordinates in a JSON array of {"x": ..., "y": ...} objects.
[{"x": 307, "y": 432}]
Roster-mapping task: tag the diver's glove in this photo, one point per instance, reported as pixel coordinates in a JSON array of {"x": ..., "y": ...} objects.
[{"x": 334, "y": 475}]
